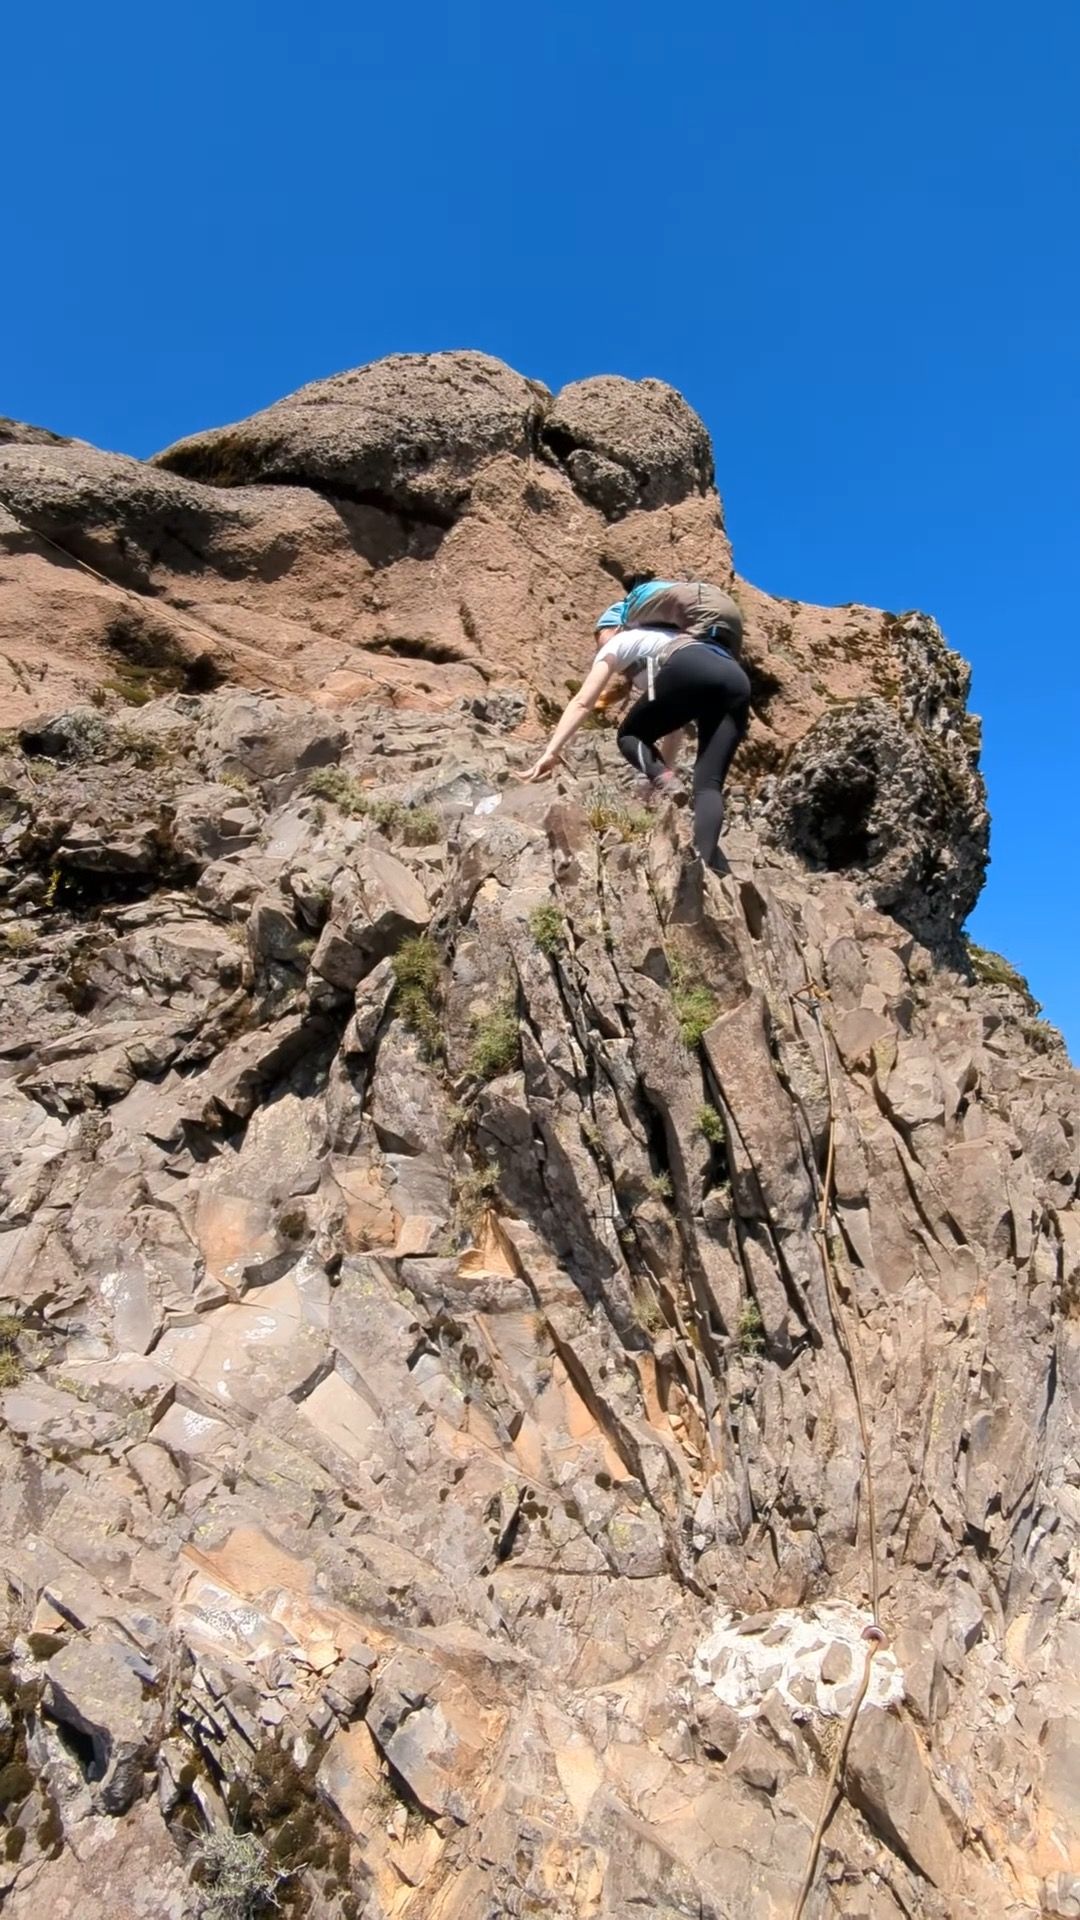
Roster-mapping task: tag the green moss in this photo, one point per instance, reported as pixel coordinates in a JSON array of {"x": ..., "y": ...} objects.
[
  {"x": 548, "y": 927},
  {"x": 993, "y": 970},
  {"x": 712, "y": 1126},
  {"x": 17, "y": 937},
  {"x": 495, "y": 1040},
  {"x": 751, "y": 1329}
]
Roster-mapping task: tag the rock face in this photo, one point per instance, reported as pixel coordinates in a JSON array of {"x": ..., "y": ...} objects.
[{"x": 432, "y": 1477}]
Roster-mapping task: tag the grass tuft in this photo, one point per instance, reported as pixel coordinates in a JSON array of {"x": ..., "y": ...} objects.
[
  {"x": 414, "y": 826},
  {"x": 607, "y": 812},
  {"x": 237, "y": 1880},
  {"x": 417, "y": 968},
  {"x": 342, "y": 789},
  {"x": 694, "y": 1002},
  {"x": 547, "y": 924},
  {"x": 18, "y": 937},
  {"x": 495, "y": 1040},
  {"x": 475, "y": 1191},
  {"x": 712, "y": 1126},
  {"x": 993, "y": 970},
  {"x": 751, "y": 1329}
]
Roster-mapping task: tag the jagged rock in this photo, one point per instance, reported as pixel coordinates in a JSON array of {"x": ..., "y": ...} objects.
[
  {"x": 372, "y": 907},
  {"x": 93, "y": 1689},
  {"x": 482, "y": 1380},
  {"x": 866, "y": 795},
  {"x": 889, "y": 1784}
]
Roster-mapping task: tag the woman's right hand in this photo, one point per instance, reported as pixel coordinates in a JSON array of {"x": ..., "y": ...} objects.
[{"x": 542, "y": 767}]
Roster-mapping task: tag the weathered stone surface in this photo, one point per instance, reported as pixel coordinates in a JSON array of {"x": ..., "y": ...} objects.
[
  {"x": 441, "y": 1398},
  {"x": 93, "y": 1688},
  {"x": 628, "y": 443},
  {"x": 408, "y": 431},
  {"x": 869, "y": 793}
]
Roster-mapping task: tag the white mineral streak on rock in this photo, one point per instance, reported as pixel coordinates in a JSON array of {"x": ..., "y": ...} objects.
[{"x": 741, "y": 1666}]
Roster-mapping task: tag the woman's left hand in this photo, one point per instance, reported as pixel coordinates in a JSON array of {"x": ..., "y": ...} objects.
[{"x": 542, "y": 767}]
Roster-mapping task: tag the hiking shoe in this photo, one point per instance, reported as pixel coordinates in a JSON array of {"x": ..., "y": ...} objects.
[{"x": 668, "y": 786}]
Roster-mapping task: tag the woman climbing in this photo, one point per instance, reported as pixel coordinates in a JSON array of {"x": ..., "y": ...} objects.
[{"x": 685, "y": 681}]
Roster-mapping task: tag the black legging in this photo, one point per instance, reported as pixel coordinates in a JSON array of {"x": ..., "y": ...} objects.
[{"x": 707, "y": 686}]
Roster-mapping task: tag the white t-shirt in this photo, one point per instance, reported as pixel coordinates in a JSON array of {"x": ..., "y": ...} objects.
[{"x": 632, "y": 646}]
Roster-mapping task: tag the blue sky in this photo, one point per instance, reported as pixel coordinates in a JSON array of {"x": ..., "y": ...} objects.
[{"x": 847, "y": 232}]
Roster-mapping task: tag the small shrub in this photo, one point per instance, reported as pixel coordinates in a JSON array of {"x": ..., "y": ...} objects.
[
  {"x": 18, "y": 937},
  {"x": 10, "y": 1367},
  {"x": 237, "y": 1879},
  {"x": 420, "y": 826},
  {"x": 695, "y": 1010},
  {"x": 606, "y": 812},
  {"x": 648, "y": 1312},
  {"x": 416, "y": 826},
  {"x": 751, "y": 1329},
  {"x": 140, "y": 747},
  {"x": 418, "y": 971},
  {"x": 422, "y": 1019},
  {"x": 342, "y": 789},
  {"x": 495, "y": 1041},
  {"x": 694, "y": 1002},
  {"x": 10, "y": 1329},
  {"x": 712, "y": 1126},
  {"x": 993, "y": 970},
  {"x": 548, "y": 927},
  {"x": 660, "y": 1187},
  {"x": 1040, "y": 1035},
  {"x": 418, "y": 963},
  {"x": 475, "y": 1192},
  {"x": 239, "y": 783}
]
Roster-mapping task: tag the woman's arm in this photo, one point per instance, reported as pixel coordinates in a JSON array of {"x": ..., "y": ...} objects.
[{"x": 575, "y": 711}]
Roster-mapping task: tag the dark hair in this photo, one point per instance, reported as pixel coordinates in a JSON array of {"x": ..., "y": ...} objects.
[{"x": 638, "y": 580}]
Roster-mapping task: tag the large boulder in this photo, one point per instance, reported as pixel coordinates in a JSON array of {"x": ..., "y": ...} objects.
[
  {"x": 869, "y": 795},
  {"x": 629, "y": 443},
  {"x": 94, "y": 1690},
  {"x": 408, "y": 432}
]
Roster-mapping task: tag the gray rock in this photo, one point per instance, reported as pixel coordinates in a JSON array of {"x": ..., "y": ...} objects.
[
  {"x": 92, "y": 1689},
  {"x": 893, "y": 804}
]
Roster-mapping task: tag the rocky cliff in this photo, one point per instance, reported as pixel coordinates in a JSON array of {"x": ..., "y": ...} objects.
[{"x": 493, "y": 1317}]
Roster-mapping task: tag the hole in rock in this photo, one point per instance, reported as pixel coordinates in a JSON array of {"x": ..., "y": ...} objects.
[
  {"x": 89, "y": 1755},
  {"x": 835, "y": 823}
]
